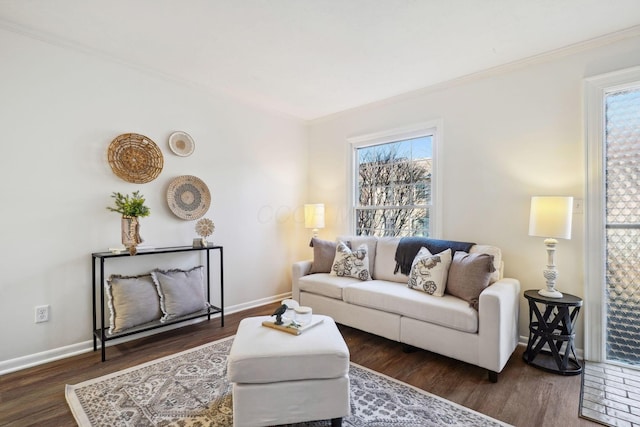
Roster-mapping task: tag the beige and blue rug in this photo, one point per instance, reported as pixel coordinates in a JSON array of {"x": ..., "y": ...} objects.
[{"x": 191, "y": 389}]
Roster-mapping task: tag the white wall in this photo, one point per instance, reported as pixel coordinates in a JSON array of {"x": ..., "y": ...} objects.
[
  {"x": 508, "y": 135},
  {"x": 59, "y": 110}
]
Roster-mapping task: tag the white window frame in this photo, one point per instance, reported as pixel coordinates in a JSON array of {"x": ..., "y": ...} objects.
[
  {"x": 595, "y": 90},
  {"x": 434, "y": 129}
]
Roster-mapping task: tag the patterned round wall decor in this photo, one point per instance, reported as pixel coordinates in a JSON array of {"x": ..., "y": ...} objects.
[
  {"x": 181, "y": 144},
  {"x": 135, "y": 158},
  {"x": 188, "y": 197}
]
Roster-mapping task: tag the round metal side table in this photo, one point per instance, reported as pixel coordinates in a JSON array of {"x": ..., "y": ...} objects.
[{"x": 555, "y": 327}]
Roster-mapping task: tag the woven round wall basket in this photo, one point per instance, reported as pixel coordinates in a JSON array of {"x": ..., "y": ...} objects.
[
  {"x": 188, "y": 197},
  {"x": 135, "y": 158}
]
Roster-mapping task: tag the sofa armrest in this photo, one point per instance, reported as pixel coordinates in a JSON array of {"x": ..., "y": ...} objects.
[
  {"x": 299, "y": 269},
  {"x": 499, "y": 310}
]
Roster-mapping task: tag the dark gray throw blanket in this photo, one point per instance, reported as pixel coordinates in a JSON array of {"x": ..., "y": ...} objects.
[{"x": 409, "y": 247}]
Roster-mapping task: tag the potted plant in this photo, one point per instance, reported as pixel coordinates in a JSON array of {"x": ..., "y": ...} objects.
[{"x": 131, "y": 207}]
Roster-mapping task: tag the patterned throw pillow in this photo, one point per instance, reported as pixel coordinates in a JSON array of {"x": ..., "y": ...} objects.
[
  {"x": 351, "y": 263},
  {"x": 429, "y": 272}
]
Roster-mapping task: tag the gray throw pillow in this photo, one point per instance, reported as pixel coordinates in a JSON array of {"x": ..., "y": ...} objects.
[
  {"x": 469, "y": 275},
  {"x": 132, "y": 301},
  {"x": 324, "y": 252},
  {"x": 181, "y": 291}
]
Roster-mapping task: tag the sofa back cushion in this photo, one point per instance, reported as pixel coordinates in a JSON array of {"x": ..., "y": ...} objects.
[
  {"x": 382, "y": 253},
  {"x": 356, "y": 241},
  {"x": 385, "y": 263}
]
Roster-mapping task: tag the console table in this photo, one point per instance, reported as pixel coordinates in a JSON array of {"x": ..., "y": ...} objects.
[
  {"x": 555, "y": 326},
  {"x": 100, "y": 331}
]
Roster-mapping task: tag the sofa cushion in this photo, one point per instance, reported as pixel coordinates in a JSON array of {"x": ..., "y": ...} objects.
[
  {"x": 385, "y": 264},
  {"x": 325, "y": 284},
  {"x": 497, "y": 258},
  {"x": 324, "y": 251},
  {"x": 429, "y": 272},
  {"x": 397, "y": 298},
  {"x": 370, "y": 241},
  {"x": 351, "y": 263},
  {"x": 469, "y": 275}
]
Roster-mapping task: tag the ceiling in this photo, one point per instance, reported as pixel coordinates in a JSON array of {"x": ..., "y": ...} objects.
[{"x": 312, "y": 58}]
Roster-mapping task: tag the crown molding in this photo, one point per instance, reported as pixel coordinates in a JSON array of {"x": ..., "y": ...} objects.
[
  {"x": 151, "y": 71},
  {"x": 493, "y": 71},
  {"x": 500, "y": 69}
]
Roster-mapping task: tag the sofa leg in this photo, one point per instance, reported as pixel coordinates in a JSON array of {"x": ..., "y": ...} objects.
[
  {"x": 493, "y": 376},
  {"x": 336, "y": 422},
  {"x": 407, "y": 348}
]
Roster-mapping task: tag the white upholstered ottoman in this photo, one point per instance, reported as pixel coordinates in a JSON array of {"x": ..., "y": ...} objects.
[{"x": 280, "y": 378}]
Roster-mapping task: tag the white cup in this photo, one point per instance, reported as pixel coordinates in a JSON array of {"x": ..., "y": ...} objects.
[
  {"x": 291, "y": 305},
  {"x": 303, "y": 315}
]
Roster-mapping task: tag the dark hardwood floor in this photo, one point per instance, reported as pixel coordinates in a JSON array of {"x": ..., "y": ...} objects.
[{"x": 523, "y": 396}]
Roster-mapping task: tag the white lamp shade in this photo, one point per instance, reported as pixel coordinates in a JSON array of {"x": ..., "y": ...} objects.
[
  {"x": 314, "y": 215},
  {"x": 551, "y": 217}
]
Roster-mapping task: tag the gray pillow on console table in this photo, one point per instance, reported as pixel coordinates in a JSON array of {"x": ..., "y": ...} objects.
[
  {"x": 181, "y": 291},
  {"x": 132, "y": 300}
]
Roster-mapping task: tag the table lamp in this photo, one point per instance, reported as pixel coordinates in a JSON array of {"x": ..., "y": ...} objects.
[
  {"x": 550, "y": 217},
  {"x": 314, "y": 217}
]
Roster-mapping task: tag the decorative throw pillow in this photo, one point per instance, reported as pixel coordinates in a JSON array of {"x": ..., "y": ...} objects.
[
  {"x": 181, "y": 291},
  {"x": 132, "y": 301},
  {"x": 469, "y": 275},
  {"x": 324, "y": 252},
  {"x": 429, "y": 272},
  {"x": 351, "y": 263}
]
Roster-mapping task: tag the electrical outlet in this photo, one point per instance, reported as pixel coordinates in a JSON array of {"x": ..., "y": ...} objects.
[{"x": 42, "y": 313}]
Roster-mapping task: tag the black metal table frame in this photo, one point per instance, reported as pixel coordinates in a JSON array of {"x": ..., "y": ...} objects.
[
  {"x": 100, "y": 334},
  {"x": 554, "y": 327}
]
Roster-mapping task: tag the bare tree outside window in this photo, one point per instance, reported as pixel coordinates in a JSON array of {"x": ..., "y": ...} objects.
[{"x": 394, "y": 188}]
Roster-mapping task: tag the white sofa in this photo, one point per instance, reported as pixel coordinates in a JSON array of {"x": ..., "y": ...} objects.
[{"x": 387, "y": 307}]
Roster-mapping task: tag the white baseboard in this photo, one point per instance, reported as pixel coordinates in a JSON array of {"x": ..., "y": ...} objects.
[
  {"x": 36, "y": 359},
  {"x": 31, "y": 360},
  {"x": 47, "y": 356}
]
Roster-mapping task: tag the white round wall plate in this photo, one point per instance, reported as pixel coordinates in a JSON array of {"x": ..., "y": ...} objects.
[{"x": 181, "y": 144}]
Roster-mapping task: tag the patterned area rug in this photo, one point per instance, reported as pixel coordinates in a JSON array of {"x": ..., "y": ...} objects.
[{"x": 191, "y": 389}]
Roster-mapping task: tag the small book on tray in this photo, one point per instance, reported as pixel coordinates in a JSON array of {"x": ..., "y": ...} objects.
[{"x": 291, "y": 326}]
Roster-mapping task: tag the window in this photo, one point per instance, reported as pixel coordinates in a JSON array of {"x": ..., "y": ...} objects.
[
  {"x": 612, "y": 107},
  {"x": 622, "y": 224},
  {"x": 393, "y": 178}
]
